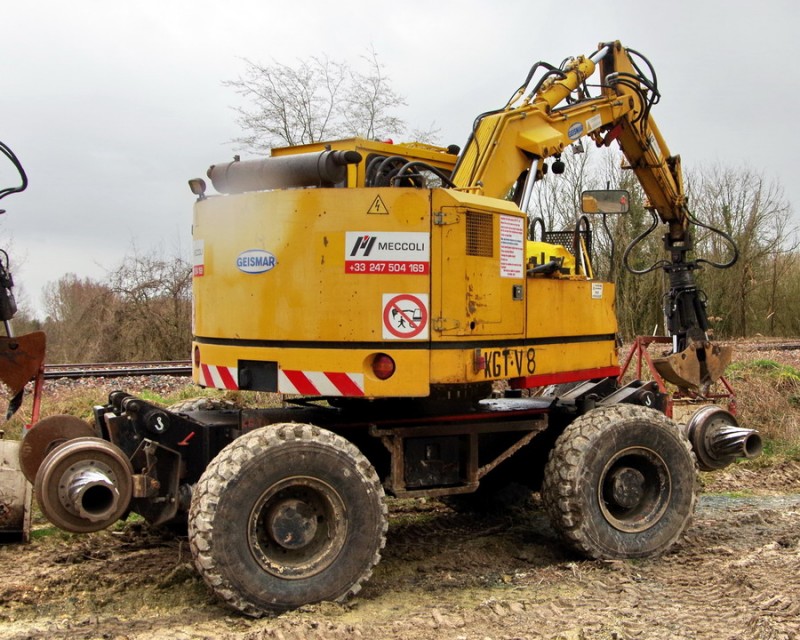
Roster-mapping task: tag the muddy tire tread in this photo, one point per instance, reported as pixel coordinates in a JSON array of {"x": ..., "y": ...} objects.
[
  {"x": 560, "y": 487},
  {"x": 227, "y": 465}
]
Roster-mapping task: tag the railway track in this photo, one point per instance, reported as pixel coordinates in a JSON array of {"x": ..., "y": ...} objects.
[
  {"x": 768, "y": 346},
  {"x": 118, "y": 369}
]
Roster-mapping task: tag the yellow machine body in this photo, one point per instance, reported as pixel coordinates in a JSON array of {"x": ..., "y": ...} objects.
[
  {"x": 299, "y": 291},
  {"x": 393, "y": 294}
]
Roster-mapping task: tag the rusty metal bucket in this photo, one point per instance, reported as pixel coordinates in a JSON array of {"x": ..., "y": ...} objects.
[
  {"x": 697, "y": 367},
  {"x": 15, "y": 495},
  {"x": 21, "y": 361}
]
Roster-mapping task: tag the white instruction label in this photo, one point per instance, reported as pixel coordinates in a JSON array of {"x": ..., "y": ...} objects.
[{"x": 512, "y": 247}]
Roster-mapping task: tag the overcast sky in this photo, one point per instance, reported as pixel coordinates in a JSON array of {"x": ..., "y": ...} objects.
[{"x": 113, "y": 106}]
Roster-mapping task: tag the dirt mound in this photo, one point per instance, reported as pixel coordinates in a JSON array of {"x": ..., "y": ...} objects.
[{"x": 781, "y": 477}]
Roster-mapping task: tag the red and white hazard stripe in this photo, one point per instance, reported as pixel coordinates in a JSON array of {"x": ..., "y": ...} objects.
[
  {"x": 320, "y": 383},
  {"x": 218, "y": 377},
  {"x": 304, "y": 383}
]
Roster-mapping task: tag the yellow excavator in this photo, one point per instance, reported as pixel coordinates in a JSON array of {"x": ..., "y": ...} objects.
[{"x": 392, "y": 296}]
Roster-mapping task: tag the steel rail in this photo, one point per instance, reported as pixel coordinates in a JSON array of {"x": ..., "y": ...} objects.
[{"x": 181, "y": 368}]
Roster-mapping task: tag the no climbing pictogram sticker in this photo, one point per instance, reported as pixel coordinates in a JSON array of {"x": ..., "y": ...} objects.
[{"x": 405, "y": 316}]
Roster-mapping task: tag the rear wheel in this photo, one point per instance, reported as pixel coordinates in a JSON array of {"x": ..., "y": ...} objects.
[
  {"x": 287, "y": 515},
  {"x": 621, "y": 483}
]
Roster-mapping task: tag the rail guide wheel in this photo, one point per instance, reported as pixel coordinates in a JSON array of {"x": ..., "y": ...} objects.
[{"x": 45, "y": 436}]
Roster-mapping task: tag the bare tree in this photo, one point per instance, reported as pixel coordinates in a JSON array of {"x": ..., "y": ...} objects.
[
  {"x": 141, "y": 312},
  {"x": 369, "y": 101},
  {"x": 317, "y": 99},
  {"x": 154, "y": 312},
  {"x": 783, "y": 310},
  {"x": 79, "y": 323},
  {"x": 556, "y": 198},
  {"x": 754, "y": 212}
]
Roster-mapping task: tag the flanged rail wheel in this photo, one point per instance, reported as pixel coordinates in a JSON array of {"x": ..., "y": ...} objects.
[
  {"x": 621, "y": 482},
  {"x": 84, "y": 485},
  {"x": 46, "y": 435},
  {"x": 287, "y": 515}
]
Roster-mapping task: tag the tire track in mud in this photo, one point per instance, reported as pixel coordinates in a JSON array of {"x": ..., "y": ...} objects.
[{"x": 444, "y": 575}]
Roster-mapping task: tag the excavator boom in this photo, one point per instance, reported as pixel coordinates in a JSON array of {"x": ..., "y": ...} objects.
[
  {"x": 505, "y": 155},
  {"x": 505, "y": 143}
]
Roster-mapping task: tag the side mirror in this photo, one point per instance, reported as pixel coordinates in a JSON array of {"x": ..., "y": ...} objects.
[{"x": 605, "y": 201}]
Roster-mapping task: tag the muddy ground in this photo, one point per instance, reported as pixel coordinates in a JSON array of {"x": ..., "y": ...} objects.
[{"x": 444, "y": 575}]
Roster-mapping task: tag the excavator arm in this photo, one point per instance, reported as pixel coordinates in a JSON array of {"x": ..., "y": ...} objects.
[
  {"x": 658, "y": 171},
  {"x": 505, "y": 155},
  {"x": 507, "y": 143}
]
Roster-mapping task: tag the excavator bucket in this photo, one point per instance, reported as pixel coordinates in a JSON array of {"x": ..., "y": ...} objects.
[
  {"x": 20, "y": 360},
  {"x": 696, "y": 367}
]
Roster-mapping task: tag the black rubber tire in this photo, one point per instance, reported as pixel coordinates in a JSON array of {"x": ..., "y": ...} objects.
[
  {"x": 621, "y": 482},
  {"x": 263, "y": 484}
]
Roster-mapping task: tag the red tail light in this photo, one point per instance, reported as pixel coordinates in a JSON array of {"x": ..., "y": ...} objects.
[{"x": 383, "y": 366}]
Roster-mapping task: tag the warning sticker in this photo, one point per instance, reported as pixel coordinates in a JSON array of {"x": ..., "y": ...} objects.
[
  {"x": 405, "y": 316},
  {"x": 378, "y": 207},
  {"x": 387, "y": 252},
  {"x": 593, "y": 123},
  {"x": 512, "y": 245}
]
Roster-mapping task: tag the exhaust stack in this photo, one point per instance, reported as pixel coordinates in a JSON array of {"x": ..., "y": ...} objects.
[
  {"x": 718, "y": 440},
  {"x": 322, "y": 169}
]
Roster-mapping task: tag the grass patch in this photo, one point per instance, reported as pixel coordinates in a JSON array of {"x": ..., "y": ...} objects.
[
  {"x": 775, "y": 451},
  {"x": 768, "y": 399},
  {"x": 151, "y": 396},
  {"x": 49, "y": 532},
  {"x": 78, "y": 401},
  {"x": 769, "y": 368}
]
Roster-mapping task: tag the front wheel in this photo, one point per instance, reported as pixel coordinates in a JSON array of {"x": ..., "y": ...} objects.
[
  {"x": 287, "y": 515},
  {"x": 621, "y": 482}
]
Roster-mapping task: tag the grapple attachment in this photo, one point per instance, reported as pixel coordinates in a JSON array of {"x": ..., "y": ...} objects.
[{"x": 696, "y": 367}]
